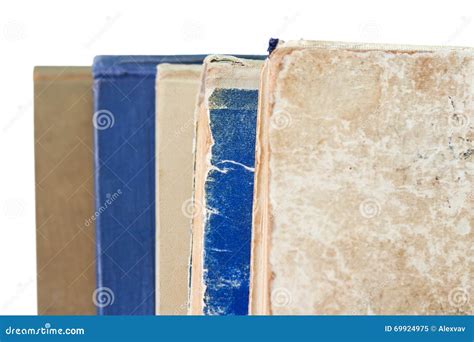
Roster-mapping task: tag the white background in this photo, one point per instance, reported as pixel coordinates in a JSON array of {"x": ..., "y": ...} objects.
[{"x": 72, "y": 33}]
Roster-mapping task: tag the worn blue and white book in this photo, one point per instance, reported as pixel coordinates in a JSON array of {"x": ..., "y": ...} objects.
[
  {"x": 124, "y": 130},
  {"x": 226, "y": 116}
]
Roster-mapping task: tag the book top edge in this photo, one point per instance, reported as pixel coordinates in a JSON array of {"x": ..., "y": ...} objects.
[
  {"x": 105, "y": 66},
  {"x": 62, "y": 72},
  {"x": 234, "y": 60},
  {"x": 178, "y": 72},
  {"x": 167, "y": 67},
  {"x": 231, "y": 72},
  {"x": 315, "y": 44}
]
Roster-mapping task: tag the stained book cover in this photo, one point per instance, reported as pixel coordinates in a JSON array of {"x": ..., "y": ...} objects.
[
  {"x": 65, "y": 236},
  {"x": 364, "y": 174},
  {"x": 124, "y": 121},
  {"x": 177, "y": 87},
  {"x": 225, "y": 152}
]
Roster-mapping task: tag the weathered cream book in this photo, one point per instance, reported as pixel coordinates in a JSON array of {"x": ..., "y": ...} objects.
[
  {"x": 226, "y": 115},
  {"x": 364, "y": 171},
  {"x": 177, "y": 88},
  {"x": 65, "y": 229}
]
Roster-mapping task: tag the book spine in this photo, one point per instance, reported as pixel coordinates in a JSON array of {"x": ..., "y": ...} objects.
[
  {"x": 177, "y": 87},
  {"x": 64, "y": 205},
  {"x": 124, "y": 125},
  {"x": 125, "y": 189},
  {"x": 228, "y": 201}
]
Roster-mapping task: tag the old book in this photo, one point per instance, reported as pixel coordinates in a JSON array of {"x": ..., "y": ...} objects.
[
  {"x": 177, "y": 87},
  {"x": 65, "y": 242},
  {"x": 226, "y": 117},
  {"x": 364, "y": 178},
  {"x": 124, "y": 121}
]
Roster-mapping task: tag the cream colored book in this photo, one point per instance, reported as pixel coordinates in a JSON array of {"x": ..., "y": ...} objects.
[
  {"x": 226, "y": 115},
  {"x": 364, "y": 171},
  {"x": 177, "y": 88}
]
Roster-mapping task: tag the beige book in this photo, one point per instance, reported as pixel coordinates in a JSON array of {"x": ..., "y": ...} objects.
[
  {"x": 65, "y": 239},
  {"x": 364, "y": 172},
  {"x": 223, "y": 185},
  {"x": 177, "y": 87}
]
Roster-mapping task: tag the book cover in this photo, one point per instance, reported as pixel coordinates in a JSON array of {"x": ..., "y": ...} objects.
[
  {"x": 177, "y": 87},
  {"x": 363, "y": 201},
  {"x": 224, "y": 171},
  {"x": 124, "y": 121},
  {"x": 65, "y": 236}
]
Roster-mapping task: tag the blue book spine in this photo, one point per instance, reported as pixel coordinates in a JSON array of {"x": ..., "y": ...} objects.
[
  {"x": 229, "y": 198},
  {"x": 124, "y": 133}
]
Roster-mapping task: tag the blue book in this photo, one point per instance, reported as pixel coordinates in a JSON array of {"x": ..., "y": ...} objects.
[
  {"x": 224, "y": 181},
  {"x": 124, "y": 131}
]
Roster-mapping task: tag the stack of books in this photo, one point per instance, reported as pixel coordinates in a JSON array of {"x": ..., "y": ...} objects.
[{"x": 324, "y": 178}]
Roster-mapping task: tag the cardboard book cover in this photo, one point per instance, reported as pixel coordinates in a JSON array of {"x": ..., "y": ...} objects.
[
  {"x": 226, "y": 116},
  {"x": 364, "y": 173},
  {"x": 65, "y": 235},
  {"x": 177, "y": 87}
]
